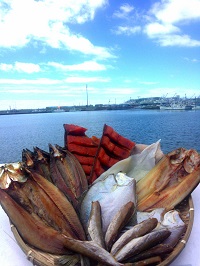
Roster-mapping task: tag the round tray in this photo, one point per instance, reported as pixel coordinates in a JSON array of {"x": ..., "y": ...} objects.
[{"x": 186, "y": 209}]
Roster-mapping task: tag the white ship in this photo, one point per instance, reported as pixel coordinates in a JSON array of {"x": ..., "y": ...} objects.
[
  {"x": 175, "y": 106},
  {"x": 196, "y": 107},
  {"x": 58, "y": 110}
]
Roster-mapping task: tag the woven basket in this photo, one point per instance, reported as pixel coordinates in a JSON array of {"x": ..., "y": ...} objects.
[{"x": 186, "y": 209}]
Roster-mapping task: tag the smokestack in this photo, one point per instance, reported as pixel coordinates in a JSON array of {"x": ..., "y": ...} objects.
[{"x": 87, "y": 94}]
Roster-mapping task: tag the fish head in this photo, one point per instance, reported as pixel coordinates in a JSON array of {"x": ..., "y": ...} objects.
[
  {"x": 28, "y": 158},
  {"x": 172, "y": 218},
  {"x": 11, "y": 172},
  {"x": 123, "y": 180}
]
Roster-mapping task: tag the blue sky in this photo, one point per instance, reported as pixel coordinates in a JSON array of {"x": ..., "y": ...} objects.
[{"x": 50, "y": 50}]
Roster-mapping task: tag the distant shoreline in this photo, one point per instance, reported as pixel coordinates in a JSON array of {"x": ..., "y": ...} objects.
[
  {"x": 153, "y": 103},
  {"x": 43, "y": 111},
  {"x": 63, "y": 109}
]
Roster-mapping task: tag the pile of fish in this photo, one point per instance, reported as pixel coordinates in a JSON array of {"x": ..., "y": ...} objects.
[{"x": 120, "y": 210}]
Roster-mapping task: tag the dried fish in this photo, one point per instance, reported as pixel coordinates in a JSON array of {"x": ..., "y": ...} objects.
[
  {"x": 112, "y": 193},
  {"x": 67, "y": 174},
  {"x": 142, "y": 243},
  {"x": 95, "y": 225},
  {"x": 168, "y": 183},
  {"x": 136, "y": 231},
  {"x": 118, "y": 222}
]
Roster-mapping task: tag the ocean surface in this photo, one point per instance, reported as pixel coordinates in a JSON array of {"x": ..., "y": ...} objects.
[{"x": 174, "y": 128}]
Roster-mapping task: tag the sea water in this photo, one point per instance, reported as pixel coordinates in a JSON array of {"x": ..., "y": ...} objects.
[{"x": 25, "y": 131}]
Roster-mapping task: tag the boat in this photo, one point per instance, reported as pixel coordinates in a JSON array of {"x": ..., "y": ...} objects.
[
  {"x": 197, "y": 107},
  {"x": 73, "y": 109},
  {"x": 175, "y": 106},
  {"x": 59, "y": 110}
]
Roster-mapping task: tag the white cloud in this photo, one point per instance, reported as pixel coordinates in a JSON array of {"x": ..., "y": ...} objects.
[
  {"x": 48, "y": 22},
  {"x": 47, "y": 81},
  {"x": 129, "y": 16},
  {"x": 126, "y": 8},
  {"x": 124, "y": 11},
  {"x": 163, "y": 22},
  {"x": 62, "y": 37},
  {"x": 156, "y": 29},
  {"x": 178, "y": 40},
  {"x": 166, "y": 19},
  {"x": 6, "y": 67},
  {"x": 174, "y": 11},
  {"x": 85, "y": 66},
  {"x": 27, "y": 67},
  {"x": 21, "y": 67},
  {"x": 34, "y": 68},
  {"x": 127, "y": 30}
]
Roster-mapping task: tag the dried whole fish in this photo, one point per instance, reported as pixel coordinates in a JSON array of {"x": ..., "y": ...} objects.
[
  {"x": 169, "y": 182},
  {"x": 40, "y": 197},
  {"x": 67, "y": 174},
  {"x": 112, "y": 193},
  {"x": 95, "y": 225},
  {"x": 62, "y": 204},
  {"x": 32, "y": 229},
  {"x": 91, "y": 250},
  {"x": 136, "y": 231},
  {"x": 118, "y": 222},
  {"x": 142, "y": 243},
  {"x": 161, "y": 250}
]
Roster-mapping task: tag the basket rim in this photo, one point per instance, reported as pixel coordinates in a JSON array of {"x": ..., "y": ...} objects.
[{"x": 36, "y": 257}]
